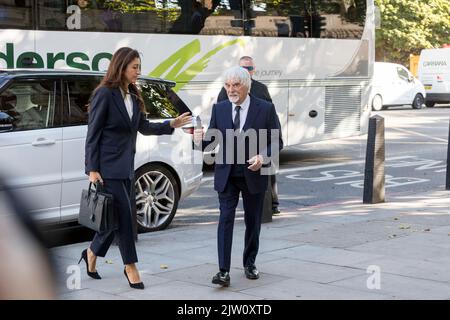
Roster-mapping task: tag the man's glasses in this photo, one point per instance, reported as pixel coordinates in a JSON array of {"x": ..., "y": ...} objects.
[{"x": 249, "y": 68}]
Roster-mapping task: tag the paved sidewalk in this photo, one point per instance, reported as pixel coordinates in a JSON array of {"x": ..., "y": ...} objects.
[{"x": 322, "y": 252}]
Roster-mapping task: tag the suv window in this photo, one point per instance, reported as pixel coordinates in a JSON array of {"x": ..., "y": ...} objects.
[
  {"x": 176, "y": 101},
  {"x": 160, "y": 101},
  {"x": 33, "y": 104},
  {"x": 77, "y": 92},
  {"x": 158, "y": 105},
  {"x": 402, "y": 73}
]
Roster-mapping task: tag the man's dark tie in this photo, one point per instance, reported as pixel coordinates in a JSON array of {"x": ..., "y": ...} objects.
[
  {"x": 237, "y": 170},
  {"x": 237, "y": 119}
]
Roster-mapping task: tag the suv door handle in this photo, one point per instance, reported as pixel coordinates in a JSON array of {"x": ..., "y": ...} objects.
[{"x": 42, "y": 142}]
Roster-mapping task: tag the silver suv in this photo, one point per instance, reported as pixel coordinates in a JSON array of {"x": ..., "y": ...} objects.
[{"x": 43, "y": 125}]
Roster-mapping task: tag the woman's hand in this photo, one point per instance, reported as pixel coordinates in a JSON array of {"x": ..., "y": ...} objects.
[
  {"x": 95, "y": 176},
  {"x": 181, "y": 121}
]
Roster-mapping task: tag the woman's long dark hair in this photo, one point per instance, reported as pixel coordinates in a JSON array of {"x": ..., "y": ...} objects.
[{"x": 114, "y": 77}]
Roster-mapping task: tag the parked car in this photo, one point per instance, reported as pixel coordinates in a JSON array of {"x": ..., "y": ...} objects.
[
  {"x": 394, "y": 85},
  {"x": 43, "y": 125},
  {"x": 434, "y": 72}
]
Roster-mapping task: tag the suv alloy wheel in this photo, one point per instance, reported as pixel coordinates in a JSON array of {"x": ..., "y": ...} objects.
[{"x": 157, "y": 196}]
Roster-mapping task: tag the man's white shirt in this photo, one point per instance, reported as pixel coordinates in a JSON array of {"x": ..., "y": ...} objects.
[{"x": 243, "y": 112}]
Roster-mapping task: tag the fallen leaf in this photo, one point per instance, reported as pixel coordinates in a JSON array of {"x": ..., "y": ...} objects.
[
  {"x": 395, "y": 218},
  {"x": 427, "y": 229},
  {"x": 315, "y": 229},
  {"x": 404, "y": 226},
  {"x": 164, "y": 266},
  {"x": 392, "y": 236}
]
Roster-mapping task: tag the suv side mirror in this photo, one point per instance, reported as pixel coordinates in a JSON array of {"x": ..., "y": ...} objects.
[
  {"x": 411, "y": 78},
  {"x": 6, "y": 122}
]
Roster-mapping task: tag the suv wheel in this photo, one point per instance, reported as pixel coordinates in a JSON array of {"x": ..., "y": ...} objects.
[
  {"x": 418, "y": 101},
  {"x": 429, "y": 104},
  {"x": 157, "y": 196}
]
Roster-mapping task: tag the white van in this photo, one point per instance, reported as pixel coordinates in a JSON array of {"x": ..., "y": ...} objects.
[
  {"x": 434, "y": 72},
  {"x": 394, "y": 85}
]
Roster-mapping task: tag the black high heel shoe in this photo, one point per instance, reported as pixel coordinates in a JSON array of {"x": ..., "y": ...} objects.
[
  {"x": 139, "y": 285},
  {"x": 84, "y": 257}
]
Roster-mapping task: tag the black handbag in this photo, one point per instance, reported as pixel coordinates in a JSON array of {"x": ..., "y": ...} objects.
[{"x": 96, "y": 209}]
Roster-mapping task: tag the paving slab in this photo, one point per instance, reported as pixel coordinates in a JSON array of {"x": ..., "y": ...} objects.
[
  {"x": 326, "y": 255},
  {"x": 180, "y": 290},
  {"x": 401, "y": 287},
  {"x": 411, "y": 267},
  {"x": 90, "y": 294},
  {"x": 304, "y": 270},
  {"x": 203, "y": 274},
  {"x": 399, "y": 248},
  {"x": 295, "y": 289}
]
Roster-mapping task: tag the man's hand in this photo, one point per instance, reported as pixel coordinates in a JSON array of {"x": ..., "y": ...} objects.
[
  {"x": 198, "y": 136},
  {"x": 256, "y": 163},
  {"x": 181, "y": 121}
]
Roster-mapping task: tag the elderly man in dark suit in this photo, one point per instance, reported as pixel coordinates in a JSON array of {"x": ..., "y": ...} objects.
[
  {"x": 247, "y": 131},
  {"x": 258, "y": 90}
]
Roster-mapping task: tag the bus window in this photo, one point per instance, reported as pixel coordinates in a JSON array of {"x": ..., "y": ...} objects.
[
  {"x": 131, "y": 16},
  {"x": 51, "y": 15},
  {"x": 212, "y": 17},
  {"x": 208, "y": 17},
  {"x": 305, "y": 18},
  {"x": 16, "y": 14}
]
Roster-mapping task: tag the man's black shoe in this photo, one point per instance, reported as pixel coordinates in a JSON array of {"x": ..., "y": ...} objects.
[
  {"x": 251, "y": 273},
  {"x": 222, "y": 278},
  {"x": 275, "y": 211}
]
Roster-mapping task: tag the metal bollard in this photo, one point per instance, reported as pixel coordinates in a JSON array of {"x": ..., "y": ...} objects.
[
  {"x": 447, "y": 176},
  {"x": 375, "y": 157},
  {"x": 267, "y": 206}
]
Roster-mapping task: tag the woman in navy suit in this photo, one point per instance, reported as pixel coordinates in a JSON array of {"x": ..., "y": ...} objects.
[{"x": 116, "y": 114}]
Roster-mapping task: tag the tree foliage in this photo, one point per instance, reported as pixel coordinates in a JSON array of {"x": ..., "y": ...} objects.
[{"x": 408, "y": 26}]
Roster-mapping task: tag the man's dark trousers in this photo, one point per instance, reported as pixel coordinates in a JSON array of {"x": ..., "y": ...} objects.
[{"x": 253, "y": 205}]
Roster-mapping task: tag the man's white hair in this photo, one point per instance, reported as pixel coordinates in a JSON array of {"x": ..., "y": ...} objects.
[{"x": 238, "y": 74}]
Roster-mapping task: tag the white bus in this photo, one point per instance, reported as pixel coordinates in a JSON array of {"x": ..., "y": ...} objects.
[{"x": 316, "y": 56}]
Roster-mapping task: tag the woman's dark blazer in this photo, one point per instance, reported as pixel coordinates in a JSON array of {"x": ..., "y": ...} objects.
[{"x": 111, "y": 137}]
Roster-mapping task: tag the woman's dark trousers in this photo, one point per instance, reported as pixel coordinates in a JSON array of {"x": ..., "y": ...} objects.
[{"x": 121, "y": 191}]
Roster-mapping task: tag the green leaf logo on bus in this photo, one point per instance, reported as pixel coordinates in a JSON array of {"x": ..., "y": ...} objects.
[{"x": 171, "y": 67}]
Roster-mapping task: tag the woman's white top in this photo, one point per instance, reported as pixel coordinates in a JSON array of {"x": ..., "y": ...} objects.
[{"x": 128, "y": 103}]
